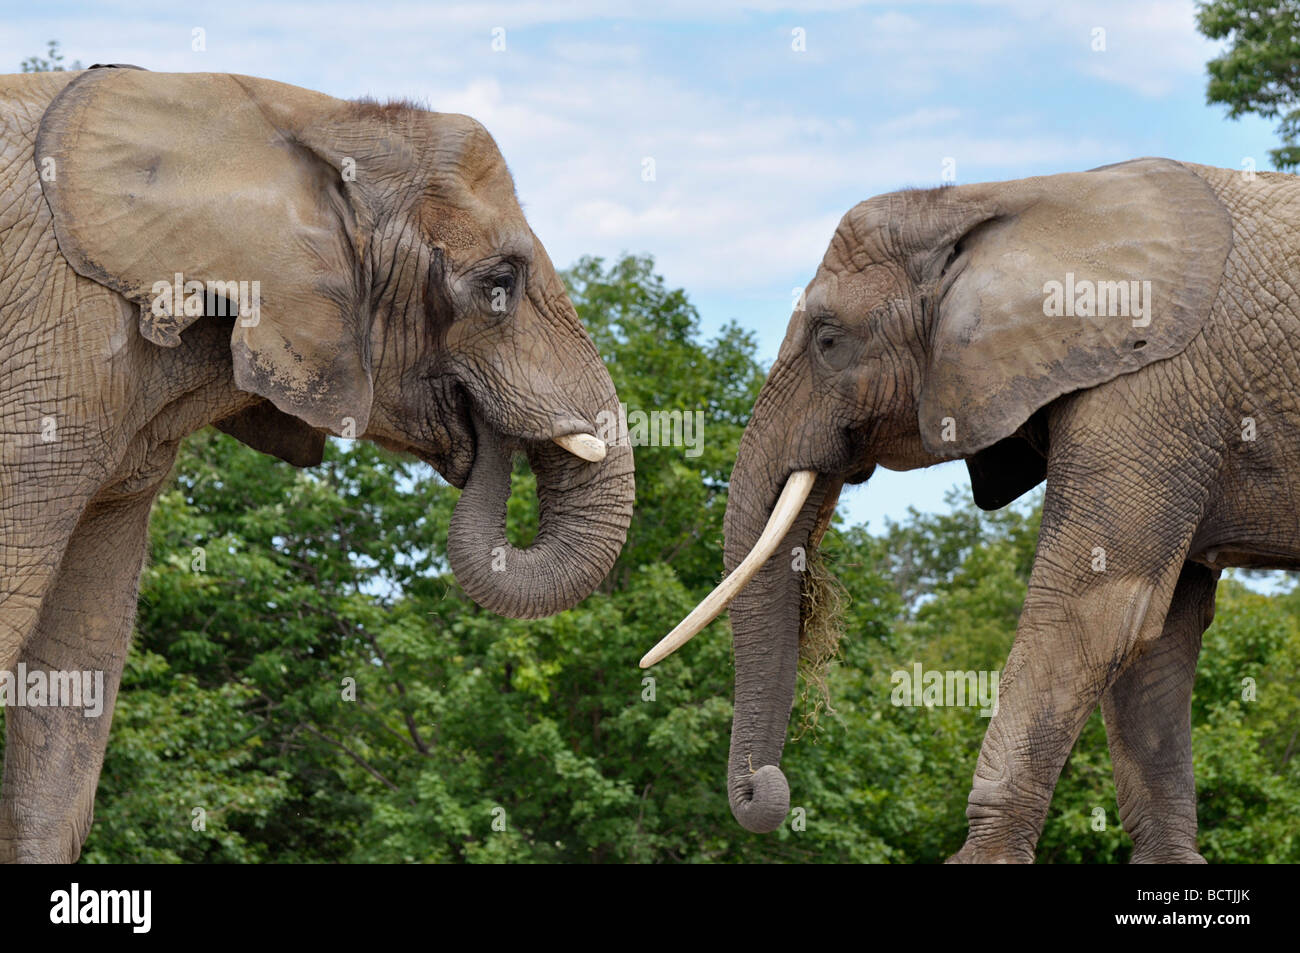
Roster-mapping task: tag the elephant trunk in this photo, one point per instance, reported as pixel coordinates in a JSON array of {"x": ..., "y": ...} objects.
[
  {"x": 765, "y": 623},
  {"x": 584, "y": 510}
]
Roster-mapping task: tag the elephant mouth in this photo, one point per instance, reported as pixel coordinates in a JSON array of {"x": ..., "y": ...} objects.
[
  {"x": 860, "y": 476},
  {"x": 448, "y": 442},
  {"x": 825, "y": 511},
  {"x": 458, "y": 461},
  {"x": 462, "y": 429}
]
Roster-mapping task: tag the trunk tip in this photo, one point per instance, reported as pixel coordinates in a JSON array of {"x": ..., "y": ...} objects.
[{"x": 763, "y": 801}]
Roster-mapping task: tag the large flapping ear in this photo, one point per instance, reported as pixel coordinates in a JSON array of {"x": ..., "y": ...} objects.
[
  {"x": 209, "y": 177},
  {"x": 1058, "y": 283}
]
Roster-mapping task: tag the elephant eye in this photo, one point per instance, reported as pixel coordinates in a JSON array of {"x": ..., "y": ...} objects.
[
  {"x": 499, "y": 289},
  {"x": 505, "y": 282},
  {"x": 827, "y": 336},
  {"x": 836, "y": 348}
]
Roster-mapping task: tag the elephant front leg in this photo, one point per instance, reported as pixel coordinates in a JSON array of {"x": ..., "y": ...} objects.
[
  {"x": 1103, "y": 578},
  {"x": 32, "y": 542},
  {"x": 1148, "y": 714},
  {"x": 53, "y": 754},
  {"x": 1066, "y": 647}
]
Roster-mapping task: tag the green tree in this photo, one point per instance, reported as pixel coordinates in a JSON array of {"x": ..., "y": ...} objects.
[{"x": 1259, "y": 72}]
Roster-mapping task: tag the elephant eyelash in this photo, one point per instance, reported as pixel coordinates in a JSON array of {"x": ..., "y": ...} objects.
[
  {"x": 826, "y": 332},
  {"x": 501, "y": 289},
  {"x": 502, "y": 282},
  {"x": 503, "y": 273}
]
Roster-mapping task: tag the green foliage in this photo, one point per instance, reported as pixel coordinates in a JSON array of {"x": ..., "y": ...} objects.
[
  {"x": 1246, "y": 712},
  {"x": 472, "y": 738},
  {"x": 52, "y": 62},
  {"x": 208, "y": 759},
  {"x": 647, "y": 335},
  {"x": 1259, "y": 72}
]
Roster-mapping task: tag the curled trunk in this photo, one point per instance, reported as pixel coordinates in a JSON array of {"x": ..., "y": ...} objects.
[{"x": 584, "y": 512}]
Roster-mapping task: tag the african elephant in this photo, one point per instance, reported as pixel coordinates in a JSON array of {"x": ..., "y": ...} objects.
[
  {"x": 178, "y": 250},
  {"x": 1128, "y": 334}
]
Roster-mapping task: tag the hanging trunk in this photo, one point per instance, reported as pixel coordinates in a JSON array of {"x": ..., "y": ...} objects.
[{"x": 765, "y": 626}]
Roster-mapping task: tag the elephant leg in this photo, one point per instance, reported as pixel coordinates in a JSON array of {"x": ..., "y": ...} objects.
[
  {"x": 53, "y": 755},
  {"x": 33, "y": 538},
  {"x": 1115, "y": 534},
  {"x": 1148, "y": 714}
]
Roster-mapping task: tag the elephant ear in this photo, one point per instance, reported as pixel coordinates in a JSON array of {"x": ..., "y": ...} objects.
[
  {"x": 1014, "y": 328},
  {"x": 210, "y": 177}
]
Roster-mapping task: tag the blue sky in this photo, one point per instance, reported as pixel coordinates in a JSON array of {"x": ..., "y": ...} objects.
[{"x": 758, "y": 148}]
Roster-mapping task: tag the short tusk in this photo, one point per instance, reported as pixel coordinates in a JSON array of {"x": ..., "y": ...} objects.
[
  {"x": 584, "y": 445},
  {"x": 787, "y": 508}
]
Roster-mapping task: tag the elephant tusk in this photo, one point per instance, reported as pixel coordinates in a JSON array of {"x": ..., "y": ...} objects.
[
  {"x": 583, "y": 445},
  {"x": 787, "y": 508}
]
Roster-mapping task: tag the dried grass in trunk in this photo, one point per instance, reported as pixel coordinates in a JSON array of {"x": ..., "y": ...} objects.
[{"x": 821, "y": 626}]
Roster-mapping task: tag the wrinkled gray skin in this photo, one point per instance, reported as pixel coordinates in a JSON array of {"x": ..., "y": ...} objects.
[
  {"x": 91, "y": 411},
  {"x": 1153, "y": 464}
]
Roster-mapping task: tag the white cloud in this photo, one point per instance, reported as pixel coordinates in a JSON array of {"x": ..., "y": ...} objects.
[
  {"x": 923, "y": 118},
  {"x": 1151, "y": 46}
]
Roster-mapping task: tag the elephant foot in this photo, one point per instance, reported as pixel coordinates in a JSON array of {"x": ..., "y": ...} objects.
[
  {"x": 1166, "y": 854},
  {"x": 973, "y": 853}
]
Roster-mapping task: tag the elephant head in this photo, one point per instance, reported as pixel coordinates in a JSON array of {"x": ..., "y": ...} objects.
[
  {"x": 938, "y": 326},
  {"x": 383, "y": 283}
]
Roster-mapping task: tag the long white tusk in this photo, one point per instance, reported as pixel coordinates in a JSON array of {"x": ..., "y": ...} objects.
[
  {"x": 584, "y": 445},
  {"x": 787, "y": 508}
]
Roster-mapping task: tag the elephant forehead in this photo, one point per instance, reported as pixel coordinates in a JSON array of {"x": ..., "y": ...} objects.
[
  {"x": 450, "y": 228},
  {"x": 853, "y": 289},
  {"x": 476, "y": 230},
  {"x": 875, "y": 280}
]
